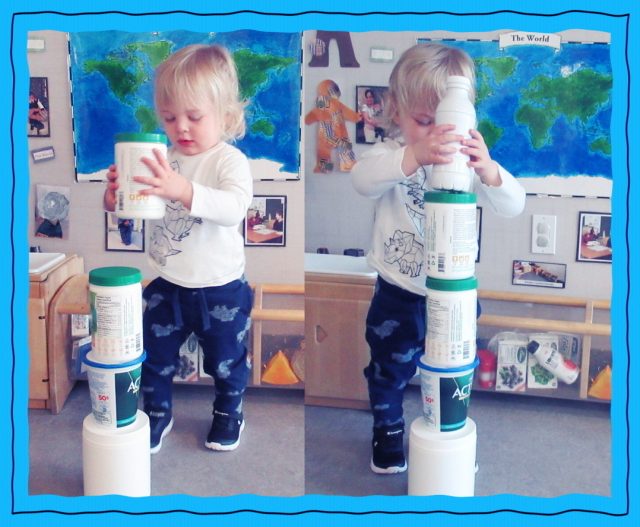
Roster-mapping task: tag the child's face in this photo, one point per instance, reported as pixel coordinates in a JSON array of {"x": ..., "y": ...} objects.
[
  {"x": 192, "y": 129},
  {"x": 414, "y": 124}
]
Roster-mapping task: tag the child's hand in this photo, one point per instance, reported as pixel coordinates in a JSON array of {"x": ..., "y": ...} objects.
[
  {"x": 109, "y": 199},
  {"x": 480, "y": 160},
  {"x": 165, "y": 182},
  {"x": 435, "y": 148}
]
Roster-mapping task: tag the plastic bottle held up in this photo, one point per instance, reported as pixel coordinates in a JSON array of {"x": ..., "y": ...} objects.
[{"x": 455, "y": 108}]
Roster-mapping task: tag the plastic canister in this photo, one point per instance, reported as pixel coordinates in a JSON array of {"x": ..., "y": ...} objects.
[
  {"x": 114, "y": 391},
  {"x": 446, "y": 393},
  {"x": 455, "y": 108},
  {"x": 452, "y": 308},
  {"x": 129, "y": 149},
  {"x": 115, "y": 298},
  {"x": 442, "y": 464},
  {"x": 451, "y": 243},
  {"x": 116, "y": 461}
]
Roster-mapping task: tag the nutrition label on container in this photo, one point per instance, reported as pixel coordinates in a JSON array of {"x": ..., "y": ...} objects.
[
  {"x": 118, "y": 327},
  {"x": 451, "y": 330}
]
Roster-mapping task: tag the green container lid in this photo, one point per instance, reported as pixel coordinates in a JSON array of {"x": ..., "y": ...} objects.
[
  {"x": 452, "y": 285},
  {"x": 141, "y": 138},
  {"x": 449, "y": 197},
  {"x": 115, "y": 276}
]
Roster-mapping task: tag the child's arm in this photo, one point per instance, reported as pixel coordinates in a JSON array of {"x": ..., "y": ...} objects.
[
  {"x": 378, "y": 169},
  {"x": 227, "y": 203},
  {"x": 506, "y": 195}
]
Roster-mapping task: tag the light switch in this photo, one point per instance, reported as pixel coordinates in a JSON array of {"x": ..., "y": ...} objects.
[{"x": 543, "y": 234}]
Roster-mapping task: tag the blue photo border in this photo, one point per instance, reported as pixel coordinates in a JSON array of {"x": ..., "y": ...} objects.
[{"x": 619, "y": 18}]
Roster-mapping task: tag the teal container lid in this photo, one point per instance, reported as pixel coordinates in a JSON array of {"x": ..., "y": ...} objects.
[
  {"x": 134, "y": 137},
  {"x": 449, "y": 197},
  {"x": 452, "y": 285},
  {"x": 115, "y": 276}
]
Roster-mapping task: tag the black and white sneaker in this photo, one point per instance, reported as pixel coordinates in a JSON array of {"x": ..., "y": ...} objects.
[
  {"x": 225, "y": 432},
  {"x": 388, "y": 450},
  {"x": 160, "y": 424}
]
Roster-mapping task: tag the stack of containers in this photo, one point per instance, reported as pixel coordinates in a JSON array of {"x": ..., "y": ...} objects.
[
  {"x": 115, "y": 436},
  {"x": 442, "y": 443}
]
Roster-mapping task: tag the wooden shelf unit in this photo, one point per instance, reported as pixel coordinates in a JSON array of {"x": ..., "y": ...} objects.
[
  {"x": 49, "y": 378},
  {"x": 74, "y": 294},
  {"x": 587, "y": 328},
  {"x": 336, "y": 307}
]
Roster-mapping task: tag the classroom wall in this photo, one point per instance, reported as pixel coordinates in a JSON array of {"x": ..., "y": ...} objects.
[
  {"x": 87, "y": 221},
  {"x": 323, "y": 209},
  {"x": 338, "y": 218}
]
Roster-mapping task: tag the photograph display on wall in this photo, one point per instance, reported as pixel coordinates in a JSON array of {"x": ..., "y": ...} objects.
[
  {"x": 478, "y": 230},
  {"x": 539, "y": 274},
  {"x": 52, "y": 211},
  {"x": 594, "y": 237},
  {"x": 122, "y": 234},
  {"x": 370, "y": 103},
  {"x": 265, "y": 223},
  {"x": 38, "y": 121}
]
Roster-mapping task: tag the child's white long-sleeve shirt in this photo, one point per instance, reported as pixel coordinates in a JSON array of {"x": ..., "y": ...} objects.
[
  {"x": 203, "y": 246},
  {"x": 397, "y": 245}
]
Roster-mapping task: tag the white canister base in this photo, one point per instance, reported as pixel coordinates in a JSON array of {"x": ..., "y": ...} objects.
[
  {"x": 442, "y": 463},
  {"x": 116, "y": 461}
]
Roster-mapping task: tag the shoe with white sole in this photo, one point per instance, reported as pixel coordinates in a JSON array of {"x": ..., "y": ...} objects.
[
  {"x": 388, "y": 450},
  {"x": 225, "y": 432},
  {"x": 160, "y": 424}
]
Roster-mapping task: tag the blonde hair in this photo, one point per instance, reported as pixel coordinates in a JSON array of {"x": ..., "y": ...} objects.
[
  {"x": 420, "y": 78},
  {"x": 198, "y": 72}
]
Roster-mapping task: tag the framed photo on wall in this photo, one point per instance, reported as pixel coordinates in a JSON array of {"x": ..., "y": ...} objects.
[
  {"x": 266, "y": 222},
  {"x": 370, "y": 104},
  {"x": 539, "y": 274},
  {"x": 38, "y": 119},
  {"x": 594, "y": 237},
  {"x": 121, "y": 234}
]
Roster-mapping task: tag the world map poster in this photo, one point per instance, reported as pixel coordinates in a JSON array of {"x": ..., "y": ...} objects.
[
  {"x": 544, "y": 109},
  {"x": 112, "y": 75}
]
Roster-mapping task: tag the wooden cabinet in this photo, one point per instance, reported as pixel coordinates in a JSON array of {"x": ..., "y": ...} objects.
[
  {"x": 336, "y": 309},
  {"x": 49, "y": 380}
]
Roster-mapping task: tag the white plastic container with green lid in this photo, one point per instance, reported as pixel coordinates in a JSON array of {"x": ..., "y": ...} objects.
[
  {"x": 452, "y": 307},
  {"x": 115, "y": 298},
  {"x": 129, "y": 149},
  {"x": 450, "y": 235}
]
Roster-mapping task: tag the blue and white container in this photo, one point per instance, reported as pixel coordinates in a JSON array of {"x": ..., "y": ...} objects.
[
  {"x": 446, "y": 393},
  {"x": 114, "y": 390}
]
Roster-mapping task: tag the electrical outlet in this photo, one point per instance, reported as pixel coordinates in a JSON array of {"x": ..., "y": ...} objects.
[{"x": 543, "y": 234}]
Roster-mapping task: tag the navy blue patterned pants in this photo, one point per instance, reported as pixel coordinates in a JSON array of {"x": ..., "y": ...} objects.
[
  {"x": 219, "y": 318},
  {"x": 396, "y": 327}
]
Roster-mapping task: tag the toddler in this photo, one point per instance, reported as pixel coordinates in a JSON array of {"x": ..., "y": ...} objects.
[
  {"x": 394, "y": 173},
  {"x": 197, "y": 248}
]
